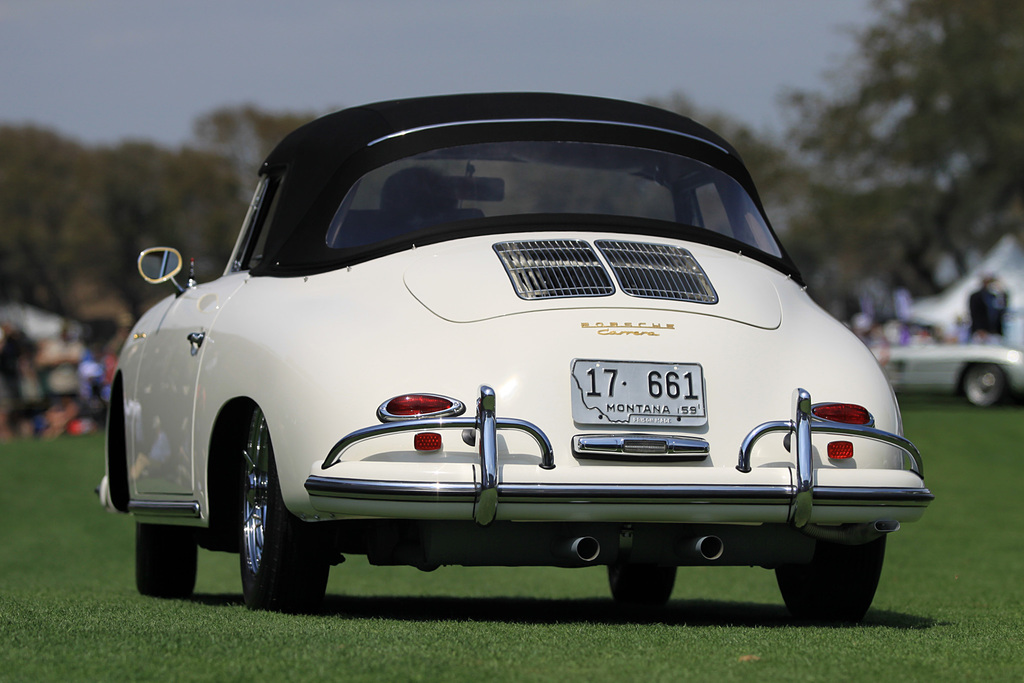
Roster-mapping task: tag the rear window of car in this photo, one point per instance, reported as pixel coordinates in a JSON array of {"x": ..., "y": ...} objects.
[{"x": 503, "y": 179}]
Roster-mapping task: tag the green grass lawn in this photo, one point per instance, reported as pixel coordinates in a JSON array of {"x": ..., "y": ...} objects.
[{"x": 950, "y": 606}]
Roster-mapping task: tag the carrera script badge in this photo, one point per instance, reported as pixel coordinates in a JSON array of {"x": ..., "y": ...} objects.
[{"x": 629, "y": 329}]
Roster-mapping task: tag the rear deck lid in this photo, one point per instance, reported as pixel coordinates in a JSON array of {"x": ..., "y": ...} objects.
[{"x": 480, "y": 279}]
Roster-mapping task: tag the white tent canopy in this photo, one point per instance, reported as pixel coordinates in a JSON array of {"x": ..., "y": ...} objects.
[
  {"x": 35, "y": 322},
  {"x": 947, "y": 310}
]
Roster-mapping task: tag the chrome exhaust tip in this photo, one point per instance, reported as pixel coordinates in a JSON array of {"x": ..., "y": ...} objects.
[
  {"x": 705, "y": 547},
  {"x": 582, "y": 548}
]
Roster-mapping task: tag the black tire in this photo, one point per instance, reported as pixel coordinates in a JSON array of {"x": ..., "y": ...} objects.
[
  {"x": 284, "y": 568},
  {"x": 985, "y": 384},
  {"x": 165, "y": 560},
  {"x": 838, "y": 585},
  {"x": 641, "y": 584}
]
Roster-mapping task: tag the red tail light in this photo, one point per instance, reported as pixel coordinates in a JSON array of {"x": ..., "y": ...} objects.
[
  {"x": 840, "y": 450},
  {"x": 416, "y": 406},
  {"x": 427, "y": 441},
  {"x": 847, "y": 413}
]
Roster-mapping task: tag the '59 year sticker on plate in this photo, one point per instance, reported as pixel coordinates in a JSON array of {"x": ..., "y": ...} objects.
[{"x": 638, "y": 393}]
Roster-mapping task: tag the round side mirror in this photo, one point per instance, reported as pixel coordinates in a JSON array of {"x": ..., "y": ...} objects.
[{"x": 159, "y": 264}]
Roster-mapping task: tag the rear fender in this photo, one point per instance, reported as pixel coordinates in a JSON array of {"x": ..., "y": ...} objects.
[{"x": 227, "y": 442}]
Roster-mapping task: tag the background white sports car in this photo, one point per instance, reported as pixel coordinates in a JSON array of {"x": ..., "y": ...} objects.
[
  {"x": 510, "y": 329},
  {"x": 985, "y": 374}
]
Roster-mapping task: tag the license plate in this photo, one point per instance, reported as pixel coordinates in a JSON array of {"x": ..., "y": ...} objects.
[{"x": 638, "y": 393}]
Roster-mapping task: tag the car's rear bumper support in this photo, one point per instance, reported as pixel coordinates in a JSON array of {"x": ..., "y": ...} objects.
[{"x": 801, "y": 427}]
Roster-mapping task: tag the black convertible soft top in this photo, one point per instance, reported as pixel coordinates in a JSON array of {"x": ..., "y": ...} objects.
[{"x": 320, "y": 160}]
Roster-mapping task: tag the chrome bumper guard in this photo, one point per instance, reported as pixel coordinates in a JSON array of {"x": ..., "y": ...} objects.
[
  {"x": 485, "y": 425},
  {"x": 801, "y": 427}
]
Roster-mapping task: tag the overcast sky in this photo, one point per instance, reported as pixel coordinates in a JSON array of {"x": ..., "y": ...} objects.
[{"x": 103, "y": 71}]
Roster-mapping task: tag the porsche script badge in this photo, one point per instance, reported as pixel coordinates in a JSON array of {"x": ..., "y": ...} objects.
[{"x": 629, "y": 329}]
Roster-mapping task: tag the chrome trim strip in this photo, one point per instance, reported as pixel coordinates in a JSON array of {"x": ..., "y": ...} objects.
[
  {"x": 165, "y": 508},
  {"x": 647, "y": 494},
  {"x": 839, "y": 495},
  {"x": 365, "y": 489},
  {"x": 453, "y": 124},
  {"x": 640, "y": 446},
  {"x": 624, "y": 494}
]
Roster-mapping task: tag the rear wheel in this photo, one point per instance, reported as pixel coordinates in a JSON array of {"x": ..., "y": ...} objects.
[
  {"x": 283, "y": 567},
  {"x": 641, "y": 584},
  {"x": 838, "y": 584},
  {"x": 985, "y": 384},
  {"x": 165, "y": 560}
]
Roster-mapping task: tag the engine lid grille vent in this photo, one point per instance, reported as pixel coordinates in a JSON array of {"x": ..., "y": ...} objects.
[
  {"x": 548, "y": 269},
  {"x": 658, "y": 271}
]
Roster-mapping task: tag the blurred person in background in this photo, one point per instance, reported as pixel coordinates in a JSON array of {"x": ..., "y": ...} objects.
[
  {"x": 9, "y": 389},
  {"x": 987, "y": 307},
  {"x": 58, "y": 361},
  {"x": 20, "y": 390}
]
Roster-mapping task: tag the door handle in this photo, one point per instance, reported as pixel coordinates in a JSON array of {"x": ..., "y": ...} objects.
[{"x": 196, "y": 340}]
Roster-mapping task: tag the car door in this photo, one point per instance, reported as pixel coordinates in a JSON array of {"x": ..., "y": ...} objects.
[{"x": 162, "y": 455}]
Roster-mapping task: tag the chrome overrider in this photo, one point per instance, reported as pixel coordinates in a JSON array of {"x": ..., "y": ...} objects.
[
  {"x": 800, "y": 426},
  {"x": 486, "y": 426},
  {"x": 485, "y": 494}
]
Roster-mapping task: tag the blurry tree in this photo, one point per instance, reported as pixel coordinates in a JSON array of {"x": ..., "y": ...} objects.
[
  {"x": 74, "y": 219},
  {"x": 41, "y": 192},
  {"x": 918, "y": 155},
  {"x": 129, "y": 211},
  {"x": 144, "y": 196},
  {"x": 209, "y": 205},
  {"x": 244, "y": 135}
]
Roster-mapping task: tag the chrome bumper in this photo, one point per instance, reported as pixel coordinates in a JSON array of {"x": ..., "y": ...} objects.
[{"x": 484, "y": 495}]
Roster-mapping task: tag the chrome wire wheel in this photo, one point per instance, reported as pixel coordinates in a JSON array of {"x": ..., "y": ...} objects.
[
  {"x": 284, "y": 561},
  {"x": 255, "y": 492}
]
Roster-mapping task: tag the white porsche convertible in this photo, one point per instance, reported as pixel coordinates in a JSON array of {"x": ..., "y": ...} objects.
[{"x": 507, "y": 329}]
